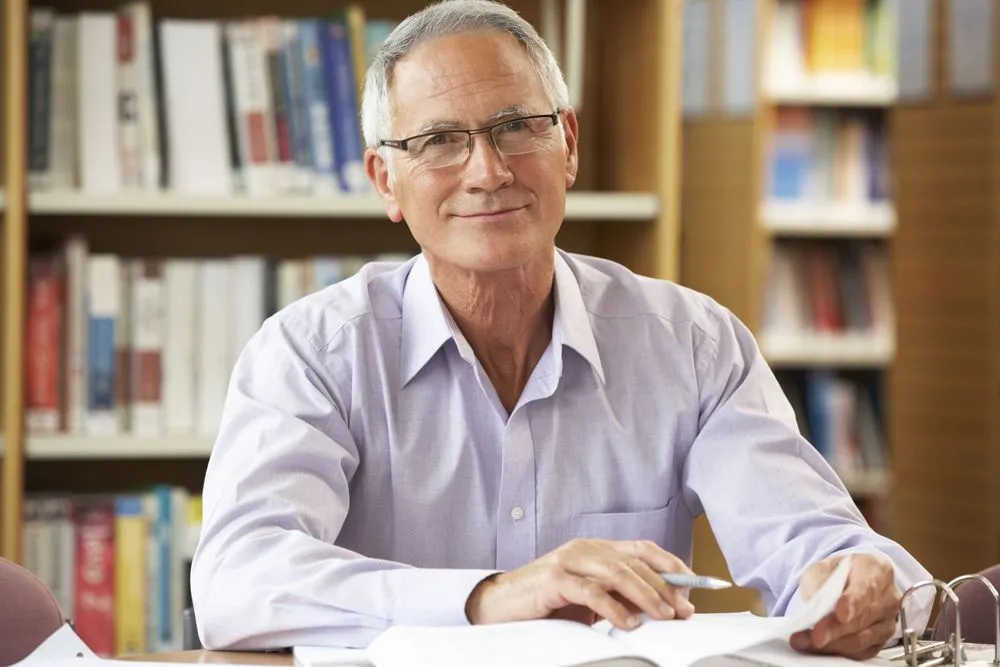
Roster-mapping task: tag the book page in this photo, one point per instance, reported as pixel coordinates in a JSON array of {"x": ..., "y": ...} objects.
[
  {"x": 681, "y": 643},
  {"x": 543, "y": 643}
]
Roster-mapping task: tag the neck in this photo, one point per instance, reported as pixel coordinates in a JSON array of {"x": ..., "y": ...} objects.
[{"x": 505, "y": 315}]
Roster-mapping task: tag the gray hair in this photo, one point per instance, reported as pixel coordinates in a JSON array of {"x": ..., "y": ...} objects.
[{"x": 443, "y": 19}]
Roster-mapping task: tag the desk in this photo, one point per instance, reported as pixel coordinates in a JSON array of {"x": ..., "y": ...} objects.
[{"x": 218, "y": 658}]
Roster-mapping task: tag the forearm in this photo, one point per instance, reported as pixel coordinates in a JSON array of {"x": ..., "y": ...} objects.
[{"x": 276, "y": 588}]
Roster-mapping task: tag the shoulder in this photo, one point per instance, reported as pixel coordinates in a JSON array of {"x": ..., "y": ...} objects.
[
  {"x": 346, "y": 308},
  {"x": 612, "y": 291}
]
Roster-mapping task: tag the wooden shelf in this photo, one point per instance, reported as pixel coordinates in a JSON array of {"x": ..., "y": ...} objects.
[
  {"x": 833, "y": 219},
  {"x": 579, "y": 205},
  {"x": 853, "y": 90},
  {"x": 71, "y": 447},
  {"x": 840, "y": 351},
  {"x": 866, "y": 482}
]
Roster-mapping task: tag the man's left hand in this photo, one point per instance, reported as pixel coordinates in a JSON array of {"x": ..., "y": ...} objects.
[{"x": 865, "y": 616}]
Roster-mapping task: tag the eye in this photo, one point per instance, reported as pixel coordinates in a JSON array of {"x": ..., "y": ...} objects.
[{"x": 517, "y": 125}]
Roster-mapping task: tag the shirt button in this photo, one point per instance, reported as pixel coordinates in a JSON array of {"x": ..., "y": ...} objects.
[{"x": 517, "y": 514}]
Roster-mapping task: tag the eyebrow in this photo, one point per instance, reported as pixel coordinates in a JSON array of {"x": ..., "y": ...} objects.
[{"x": 443, "y": 125}]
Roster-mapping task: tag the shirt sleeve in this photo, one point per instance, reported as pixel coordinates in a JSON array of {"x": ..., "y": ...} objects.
[
  {"x": 774, "y": 503},
  {"x": 267, "y": 572}
]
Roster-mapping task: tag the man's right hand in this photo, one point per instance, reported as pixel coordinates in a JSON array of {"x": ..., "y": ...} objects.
[{"x": 585, "y": 580}]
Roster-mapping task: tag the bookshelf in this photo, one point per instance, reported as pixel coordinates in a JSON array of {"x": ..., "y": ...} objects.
[
  {"x": 785, "y": 204},
  {"x": 624, "y": 207}
]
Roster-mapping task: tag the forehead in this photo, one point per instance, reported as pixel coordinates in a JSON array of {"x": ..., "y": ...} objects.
[{"x": 464, "y": 79}]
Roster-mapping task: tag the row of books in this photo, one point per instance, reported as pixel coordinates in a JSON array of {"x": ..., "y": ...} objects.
[
  {"x": 145, "y": 346},
  {"x": 824, "y": 288},
  {"x": 118, "y": 564},
  {"x": 121, "y": 100},
  {"x": 832, "y": 37},
  {"x": 828, "y": 155},
  {"x": 842, "y": 417}
]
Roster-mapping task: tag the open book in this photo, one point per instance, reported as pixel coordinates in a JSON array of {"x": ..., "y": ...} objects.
[{"x": 701, "y": 640}]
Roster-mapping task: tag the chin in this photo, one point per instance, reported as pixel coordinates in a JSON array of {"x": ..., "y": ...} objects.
[{"x": 495, "y": 255}]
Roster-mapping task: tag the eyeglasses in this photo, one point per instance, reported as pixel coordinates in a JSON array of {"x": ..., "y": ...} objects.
[{"x": 515, "y": 136}]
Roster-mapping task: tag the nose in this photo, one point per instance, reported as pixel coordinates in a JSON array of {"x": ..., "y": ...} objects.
[{"x": 486, "y": 168}]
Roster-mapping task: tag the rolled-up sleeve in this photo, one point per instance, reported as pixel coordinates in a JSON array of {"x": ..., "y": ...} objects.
[
  {"x": 267, "y": 572},
  {"x": 774, "y": 503}
]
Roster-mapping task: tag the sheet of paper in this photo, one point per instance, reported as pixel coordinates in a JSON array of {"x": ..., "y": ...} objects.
[
  {"x": 683, "y": 643},
  {"x": 971, "y": 48},
  {"x": 63, "y": 644},
  {"x": 547, "y": 643},
  {"x": 913, "y": 63},
  {"x": 695, "y": 58},
  {"x": 324, "y": 656}
]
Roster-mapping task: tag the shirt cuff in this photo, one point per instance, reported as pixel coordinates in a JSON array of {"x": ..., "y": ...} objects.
[{"x": 432, "y": 596}]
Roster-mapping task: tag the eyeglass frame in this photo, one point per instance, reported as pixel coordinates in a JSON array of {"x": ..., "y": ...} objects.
[{"x": 400, "y": 144}]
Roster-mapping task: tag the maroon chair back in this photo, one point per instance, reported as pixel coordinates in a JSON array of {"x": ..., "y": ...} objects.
[
  {"x": 29, "y": 613},
  {"x": 977, "y": 607}
]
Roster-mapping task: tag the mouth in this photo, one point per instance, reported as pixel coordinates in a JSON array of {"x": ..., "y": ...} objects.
[{"x": 490, "y": 215}]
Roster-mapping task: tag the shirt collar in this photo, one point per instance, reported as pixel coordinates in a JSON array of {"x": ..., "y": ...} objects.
[{"x": 427, "y": 324}]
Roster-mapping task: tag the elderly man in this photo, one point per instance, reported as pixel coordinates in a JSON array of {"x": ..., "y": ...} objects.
[{"x": 497, "y": 430}]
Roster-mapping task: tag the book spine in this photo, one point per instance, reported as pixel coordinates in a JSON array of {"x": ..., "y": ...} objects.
[
  {"x": 147, "y": 346},
  {"x": 130, "y": 575},
  {"x": 40, "y": 40},
  {"x": 127, "y": 111},
  {"x": 322, "y": 161},
  {"x": 104, "y": 299},
  {"x": 342, "y": 99},
  {"x": 94, "y": 620},
  {"x": 45, "y": 287}
]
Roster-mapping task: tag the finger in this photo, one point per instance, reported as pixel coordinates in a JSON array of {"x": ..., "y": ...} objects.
[
  {"x": 860, "y": 645},
  {"x": 675, "y": 597},
  {"x": 588, "y": 593},
  {"x": 659, "y": 559}
]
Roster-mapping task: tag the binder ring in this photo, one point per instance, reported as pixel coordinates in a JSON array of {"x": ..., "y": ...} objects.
[
  {"x": 953, "y": 585},
  {"x": 910, "y": 649}
]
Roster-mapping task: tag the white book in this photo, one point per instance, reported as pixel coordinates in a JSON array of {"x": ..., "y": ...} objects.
[
  {"x": 180, "y": 555},
  {"x": 75, "y": 254},
  {"x": 146, "y": 96},
  {"x": 126, "y": 75},
  {"x": 104, "y": 298},
  {"x": 197, "y": 136},
  {"x": 702, "y": 639},
  {"x": 179, "y": 354},
  {"x": 147, "y": 346},
  {"x": 251, "y": 106},
  {"x": 99, "y": 160},
  {"x": 214, "y": 343},
  {"x": 63, "y": 165},
  {"x": 248, "y": 280},
  {"x": 291, "y": 281}
]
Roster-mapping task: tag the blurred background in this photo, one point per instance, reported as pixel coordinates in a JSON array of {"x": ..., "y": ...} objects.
[{"x": 174, "y": 171}]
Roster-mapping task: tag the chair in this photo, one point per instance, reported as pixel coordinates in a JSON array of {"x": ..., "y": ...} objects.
[
  {"x": 977, "y": 607},
  {"x": 29, "y": 613}
]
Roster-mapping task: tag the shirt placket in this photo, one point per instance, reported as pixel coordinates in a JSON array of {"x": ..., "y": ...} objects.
[{"x": 516, "y": 524}]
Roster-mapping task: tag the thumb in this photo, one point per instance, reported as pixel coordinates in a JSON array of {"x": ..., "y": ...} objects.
[{"x": 815, "y": 576}]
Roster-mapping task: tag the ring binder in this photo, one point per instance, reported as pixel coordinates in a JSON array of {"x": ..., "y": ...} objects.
[{"x": 951, "y": 651}]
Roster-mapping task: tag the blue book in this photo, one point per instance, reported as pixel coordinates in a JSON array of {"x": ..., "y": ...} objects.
[{"x": 341, "y": 91}]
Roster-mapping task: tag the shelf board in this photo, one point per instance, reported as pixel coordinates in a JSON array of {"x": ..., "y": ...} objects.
[
  {"x": 828, "y": 219},
  {"x": 866, "y": 482},
  {"x": 623, "y": 206},
  {"x": 854, "y": 90},
  {"x": 839, "y": 350},
  {"x": 72, "y": 447}
]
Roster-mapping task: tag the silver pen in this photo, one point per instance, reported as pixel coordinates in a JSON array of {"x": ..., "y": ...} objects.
[{"x": 694, "y": 581}]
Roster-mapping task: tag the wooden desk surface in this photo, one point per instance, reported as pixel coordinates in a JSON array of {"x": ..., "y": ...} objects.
[{"x": 218, "y": 658}]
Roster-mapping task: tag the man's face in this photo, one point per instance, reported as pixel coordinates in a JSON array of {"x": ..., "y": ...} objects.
[{"x": 491, "y": 212}]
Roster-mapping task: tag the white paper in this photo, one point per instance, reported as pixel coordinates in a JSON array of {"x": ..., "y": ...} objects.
[
  {"x": 740, "y": 44},
  {"x": 63, "y": 644},
  {"x": 970, "y": 39},
  {"x": 325, "y": 656},
  {"x": 683, "y": 643},
  {"x": 913, "y": 61},
  {"x": 695, "y": 59}
]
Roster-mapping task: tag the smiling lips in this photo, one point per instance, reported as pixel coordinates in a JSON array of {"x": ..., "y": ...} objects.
[{"x": 490, "y": 214}]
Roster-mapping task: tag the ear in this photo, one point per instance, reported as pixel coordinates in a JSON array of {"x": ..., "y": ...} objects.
[
  {"x": 571, "y": 130},
  {"x": 378, "y": 174}
]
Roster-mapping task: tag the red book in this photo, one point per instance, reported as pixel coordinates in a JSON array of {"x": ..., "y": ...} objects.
[
  {"x": 95, "y": 574},
  {"x": 44, "y": 330}
]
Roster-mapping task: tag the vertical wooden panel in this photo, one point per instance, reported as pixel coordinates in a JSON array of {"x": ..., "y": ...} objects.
[
  {"x": 945, "y": 386},
  {"x": 14, "y": 244}
]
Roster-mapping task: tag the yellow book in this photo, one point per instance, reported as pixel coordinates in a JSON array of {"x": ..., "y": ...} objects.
[
  {"x": 836, "y": 35},
  {"x": 131, "y": 549}
]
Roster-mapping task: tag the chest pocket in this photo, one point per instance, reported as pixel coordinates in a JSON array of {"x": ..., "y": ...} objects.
[{"x": 655, "y": 525}]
